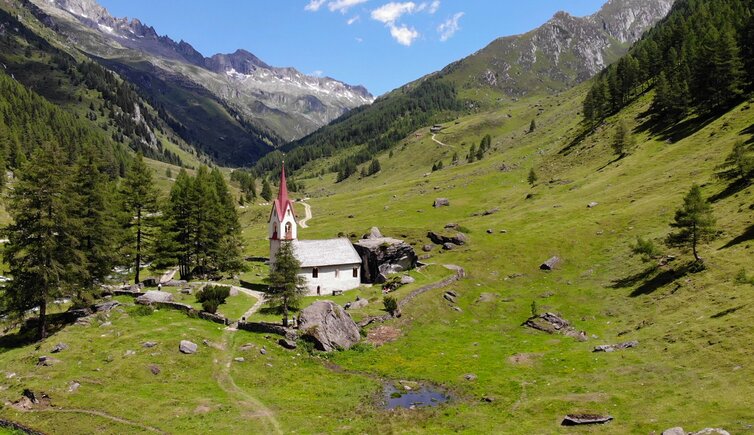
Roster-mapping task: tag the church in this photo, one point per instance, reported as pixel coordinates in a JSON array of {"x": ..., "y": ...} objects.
[{"x": 329, "y": 266}]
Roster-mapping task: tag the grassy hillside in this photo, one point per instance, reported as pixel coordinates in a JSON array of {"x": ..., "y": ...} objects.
[{"x": 690, "y": 368}]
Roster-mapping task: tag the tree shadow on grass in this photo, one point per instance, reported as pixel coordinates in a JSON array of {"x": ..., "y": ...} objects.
[
  {"x": 668, "y": 129},
  {"x": 732, "y": 189},
  {"x": 27, "y": 334},
  {"x": 652, "y": 278},
  {"x": 745, "y": 237}
]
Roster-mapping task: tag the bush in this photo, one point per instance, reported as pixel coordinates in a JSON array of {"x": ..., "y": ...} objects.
[
  {"x": 390, "y": 303},
  {"x": 646, "y": 249},
  {"x": 142, "y": 310},
  {"x": 212, "y": 296},
  {"x": 743, "y": 278}
]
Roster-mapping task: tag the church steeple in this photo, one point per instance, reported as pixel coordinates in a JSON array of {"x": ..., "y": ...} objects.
[
  {"x": 282, "y": 224},
  {"x": 283, "y": 191}
]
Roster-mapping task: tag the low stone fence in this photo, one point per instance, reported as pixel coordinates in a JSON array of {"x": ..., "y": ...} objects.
[
  {"x": 191, "y": 311},
  {"x": 268, "y": 328}
]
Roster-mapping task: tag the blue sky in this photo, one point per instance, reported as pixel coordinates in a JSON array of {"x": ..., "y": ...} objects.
[{"x": 380, "y": 44}]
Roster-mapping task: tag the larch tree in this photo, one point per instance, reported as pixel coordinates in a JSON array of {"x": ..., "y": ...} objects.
[
  {"x": 694, "y": 223},
  {"x": 286, "y": 286},
  {"x": 139, "y": 200},
  {"x": 266, "y": 190},
  {"x": 43, "y": 251}
]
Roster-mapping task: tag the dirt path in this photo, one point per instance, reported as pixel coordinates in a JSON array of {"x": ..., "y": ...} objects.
[
  {"x": 308, "y": 215},
  {"x": 167, "y": 276},
  {"x": 103, "y": 415},
  {"x": 250, "y": 406},
  {"x": 256, "y": 306},
  {"x": 440, "y": 143}
]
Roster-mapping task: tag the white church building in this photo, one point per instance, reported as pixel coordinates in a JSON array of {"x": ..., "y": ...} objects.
[{"x": 330, "y": 265}]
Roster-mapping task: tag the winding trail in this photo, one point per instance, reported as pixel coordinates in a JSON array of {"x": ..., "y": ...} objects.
[
  {"x": 103, "y": 415},
  {"x": 440, "y": 143},
  {"x": 256, "y": 306},
  {"x": 308, "y": 214}
]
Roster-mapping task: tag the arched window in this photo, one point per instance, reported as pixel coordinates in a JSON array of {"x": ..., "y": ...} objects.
[
  {"x": 315, "y": 272},
  {"x": 275, "y": 232},
  {"x": 288, "y": 230}
]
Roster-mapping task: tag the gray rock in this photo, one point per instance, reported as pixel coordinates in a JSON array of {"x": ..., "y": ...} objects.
[
  {"x": 288, "y": 344},
  {"x": 449, "y": 297},
  {"x": 614, "y": 347},
  {"x": 712, "y": 431},
  {"x": 186, "y": 291},
  {"x": 384, "y": 256},
  {"x": 59, "y": 347},
  {"x": 263, "y": 351},
  {"x": 674, "y": 431},
  {"x": 452, "y": 226},
  {"x": 175, "y": 283},
  {"x": 154, "y": 369},
  {"x": 149, "y": 344},
  {"x": 579, "y": 419},
  {"x": 329, "y": 326},
  {"x": 551, "y": 263},
  {"x": 47, "y": 361},
  {"x": 106, "y": 324},
  {"x": 428, "y": 248},
  {"x": 458, "y": 309},
  {"x": 470, "y": 377},
  {"x": 106, "y": 306},
  {"x": 441, "y": 202},
  {"x": 361, "y": 303},
  {"x": 489, "y": 231},
  {"x": 239, "y": 359},
  {"x": 374, "y": 233},
  {"x": 449, "y": 246},
  {"x": 153, "y": 296},
  {"x": 592, "y": 204},
  {"x": 406, "y": 279},
  {"x": 129, "y": 352},
  {"x": 73, "y": 386},
  {"x": 458, "y": 238},
  {"x": 187, "y": 347}
]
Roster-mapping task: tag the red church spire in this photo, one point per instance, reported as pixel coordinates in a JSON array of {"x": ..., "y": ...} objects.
[{"x": 283, "y": 192}]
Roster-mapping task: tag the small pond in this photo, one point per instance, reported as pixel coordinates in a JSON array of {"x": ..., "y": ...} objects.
[{"x": 411, "y": 395}]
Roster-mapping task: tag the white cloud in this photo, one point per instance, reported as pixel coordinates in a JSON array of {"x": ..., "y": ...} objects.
[
  {"x": 353, "y": 20},
  {"x": 390, "y": 12},
  {"x": 343, "y": 6},
  {"x": 449, "y": 27},
  {"x": 434, "y": 6},
  {"x": 403, "y": 34},
  {"x": 314, "y": 5}
]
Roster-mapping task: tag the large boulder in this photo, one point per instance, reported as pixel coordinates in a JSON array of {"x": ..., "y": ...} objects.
[
  {"x": 154, "y": 296},
  {"x": 383, "y": 256},
  {"x": 441, "y": 202},
  {"x": 328, "y": 325},
  {"x": 187, "y": 347},
  {"x": 551, "y": 263}
]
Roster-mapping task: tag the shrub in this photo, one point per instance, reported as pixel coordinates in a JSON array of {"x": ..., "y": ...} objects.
[
  {"x": 534, "y": 310},
  {"x": 390, "y": 303},
  {"x": 743, "y": 278},
  {"x": 212, "y": 296},
  {"x": 142, "y": 310},
  {"x": 645, "y": 248}
]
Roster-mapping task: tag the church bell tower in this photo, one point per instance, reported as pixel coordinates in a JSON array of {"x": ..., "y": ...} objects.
[{"x": 282, "y": 225}]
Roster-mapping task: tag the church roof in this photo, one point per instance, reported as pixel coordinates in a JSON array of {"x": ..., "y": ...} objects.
[
  {"x": 282, "y": 201},
  {"x": 329, "y": 252}
]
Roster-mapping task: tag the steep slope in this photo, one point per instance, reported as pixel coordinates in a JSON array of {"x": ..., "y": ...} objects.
[
  {"x": 282, "y": 102},
  {"x": 563, "y": 52}
]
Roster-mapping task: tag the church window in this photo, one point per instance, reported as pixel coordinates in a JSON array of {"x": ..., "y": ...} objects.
[
  {"x": 355, "y": 272},
  {"x": 315, "y": 272},
  {"x": 288, "y": 230}
]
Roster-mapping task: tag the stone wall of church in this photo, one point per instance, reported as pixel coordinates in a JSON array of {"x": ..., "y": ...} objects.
[{"x": 332, "y": 278}]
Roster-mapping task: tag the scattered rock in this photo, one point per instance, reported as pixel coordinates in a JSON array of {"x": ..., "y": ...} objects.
[
  {"x": 592, "y": 204},
  {"x": 247, "y": 347},
  {"x": 674, "y": 431},
  {"x": 458, "y": 309},
  {"x": 554, "y": 324},
  {"x": 374, "y": 233},
  {"x": 73, "y": 386},
  {"x": 449, "y": 246},
  {"x": 614, "y": 347},
  {"x": 712, "y": 431},
  {"x": 263, "y": 351},
  {"x": 503, "y": 231},
  {"x": 186, "y": 291},
  {"x": 551, "y": 263},
  {"x": 106, "y": 324},
  {"x": 383, "y": 334},
  {"x": 441, "y": 202},
  {"x": 129, "y": 353},
  {"x": 239, "y": 359},
  {"x": 452, "y": 226},
  {"x": 458, "y": 238},
  {"x": 489, "y": 231},
  {"x": 329, "y": 326},
  {"x": 59, "y": 347},
  {"x": 153, "y": 296},
  {"x": 359, "y": 303},
  {"x": 488, "y": 399},
  {"x": 105, "y": 306},
  {"x": 287, "y": 344},
  {"x": 406, "y": 279},
  {"x": 450, "y": 296},
  {"x": 149, "y": 344},
  {"x": 470, "y": 377},
  {"x": 47, "y": 361},
  {"x": 578, "y": 419},
  {"x": 428, "y": 248},
  {"x": 154, "y": 369},
  {"x": 187, "y": 347}
]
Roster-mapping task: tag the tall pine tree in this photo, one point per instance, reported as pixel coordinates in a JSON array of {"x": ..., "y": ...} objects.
[{"x": 139, "y": 201}]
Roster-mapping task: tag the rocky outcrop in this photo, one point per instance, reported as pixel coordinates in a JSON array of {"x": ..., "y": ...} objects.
[
  {"x": 614, "y": 347},
  {"x": 554, "y": 324},
  {"x": 154, "y": 296},
  {"x": 329, "y": 326},
  {"x": 187, "y": 347},
  {"x": 441, "y": 239},
  {"x": 381, "y": 256},
  {"x": 551, "y": 263},
  {"x": 579, "y": 419}
]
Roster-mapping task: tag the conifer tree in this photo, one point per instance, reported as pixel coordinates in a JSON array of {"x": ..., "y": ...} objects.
[
  {"x": 374, "y": 167},
  {"x": 228, "y": 256},
  {"x": 43, "y": 253},
  {"x": 694, "y": 222},
  {"x": 532, "y": 126},
  {"x": 739, "y": 164},
  {"x": 532, "y": 178},
  {"x": 286, "y": 286},
  {"x": 139, "y": 199},
  {"x": 266, "y": 191},
  {"x": 621, "y": 140}
]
